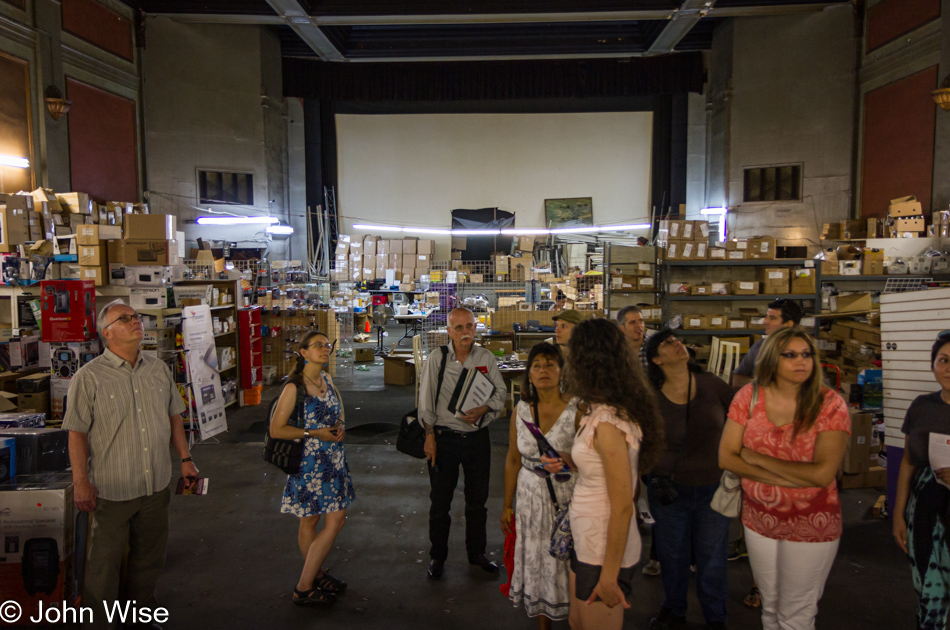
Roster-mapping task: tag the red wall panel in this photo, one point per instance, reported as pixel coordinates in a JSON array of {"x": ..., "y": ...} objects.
[
  {"x": 890, "y": 19},
  {"x": 15, "y": 135},
  {"x": 103, "y": 160},
  {"x": 899, "y": 121},
  {"x": 98, "y": 25}
]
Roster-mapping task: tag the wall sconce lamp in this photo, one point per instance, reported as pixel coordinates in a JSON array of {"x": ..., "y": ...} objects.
[
  {"x": 56, "y": 105},
  {"x": 942, "y": 95}
]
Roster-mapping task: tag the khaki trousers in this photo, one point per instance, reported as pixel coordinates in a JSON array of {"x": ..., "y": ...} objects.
[{"x": 143, "y": 523}]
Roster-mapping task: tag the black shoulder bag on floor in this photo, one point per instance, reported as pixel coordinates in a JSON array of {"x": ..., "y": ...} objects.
[
  {"x": 286, "y": 454},
  {"x": 412, "y": 435}
]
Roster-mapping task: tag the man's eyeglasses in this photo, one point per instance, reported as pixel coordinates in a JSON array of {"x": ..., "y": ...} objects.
[
  {"x": 791, "y": 356},
  {"x": 125, "y": 319}
]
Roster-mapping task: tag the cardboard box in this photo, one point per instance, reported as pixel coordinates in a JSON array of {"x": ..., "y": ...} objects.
[
  {"x": 803, "y": 281},
  {"x": 695, "y": 322},
  {"x": 92, "y": 255},
  {"x": 342, "y": 245},
  {"x": 98, "y": 275},
  {"x": 397, "y": 370},
  {"x": 858, "y": 452},
  {"x": 872, "y": 262},
  {"x": 75, "y": 202},
  {"x": 382, "y": 248},
  {"x": 733, "y": 323},
  {"x": 910, "y": 224},
  {"x": 502, "y": 347},
  {"x": 679, "y": 288},
  {"x": 409, "y": 245},
  {"x": 735, "y": 254},
  {"x": 35, "y": 401},
  {"x": 148, "y": 276},
  {"x": 701, "y": 288},
  {"x": 646, "y": 284},
  {"x": 423, "y": 261},
  {"x": 854, "y": 229},
  {"x": 762, "y": 248},
  {"x": 774, "y": 280},
  {"x": 717, "y": 322},
  {"x": 362, "y": 355},
  {"x": 905, "y": 207},
  {"x": 701, "y": 251},
  {"x": 849, "y": 268},
  {"x": 459, "y": 243},
  {"x": 68, "y": 310},
  {"x": 152, "y": 252},
  {"x": 743, "y": 287},
  {"x": 92, "y": 234},
  {"x": 32, "y": 383},
  {"x": 701, "y": 231},
  {"x": 851, "y": 302},
  {"x": 425, "y": 246},
  {"x": 369, "y": 246},
  {"x": 115, "y": 252},
  {"x": 717, "y": 253},
  {"x": 875, "y": 477},
  {"x": 721, "y": 288},
  {"x": 14, "y": 227},
  {"x": 525, "y": 244}
]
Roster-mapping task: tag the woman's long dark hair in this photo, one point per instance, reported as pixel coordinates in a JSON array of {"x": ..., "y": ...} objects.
[
  {"x": 529, "y": 393},
  {"x": 601, "y": 369},
  {"x": 654, "y": 371},
  {"x": 304, "y": 342}
]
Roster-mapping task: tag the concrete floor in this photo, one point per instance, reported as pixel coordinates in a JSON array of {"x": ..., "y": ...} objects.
[{"x": 233, "y": 559}]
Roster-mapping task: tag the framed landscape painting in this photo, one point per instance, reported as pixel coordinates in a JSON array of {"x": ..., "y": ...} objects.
[{"x": 561, "y": 213}]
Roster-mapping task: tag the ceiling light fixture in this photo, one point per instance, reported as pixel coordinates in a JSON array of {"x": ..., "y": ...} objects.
[
  {"x": 15, "y": 162},
  {"x": 941, "y": 96},
  {"x": 237, "y": 220},
  {"x": 279, "y": 230},
  {"x": 56, "y": 105}
]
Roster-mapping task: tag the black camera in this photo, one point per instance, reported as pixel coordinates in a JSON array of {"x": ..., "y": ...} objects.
[{"x": 662, "y": 490}]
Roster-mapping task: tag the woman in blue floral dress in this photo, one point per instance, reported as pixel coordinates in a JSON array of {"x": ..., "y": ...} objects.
[{"x": 322, "y": 487}]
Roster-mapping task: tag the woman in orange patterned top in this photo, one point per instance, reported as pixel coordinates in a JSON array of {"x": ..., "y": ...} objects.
[{"x": 786, "y": 436}]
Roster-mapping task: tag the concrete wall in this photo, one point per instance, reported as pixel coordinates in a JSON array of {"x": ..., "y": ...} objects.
[
  {"x": 213, "y": 100},
  {"x": 36, "y": 36},
  {"x": 782, "y": 91}
]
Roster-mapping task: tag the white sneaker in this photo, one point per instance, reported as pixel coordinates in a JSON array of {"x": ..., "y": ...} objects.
[{"x": 651, "y": 568}]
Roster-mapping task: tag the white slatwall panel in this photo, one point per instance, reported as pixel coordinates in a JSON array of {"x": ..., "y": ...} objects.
[{"x": 909, "y": 324}]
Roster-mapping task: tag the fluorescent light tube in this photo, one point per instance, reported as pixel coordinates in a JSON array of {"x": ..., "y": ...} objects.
[
  {"x": 381, "y": 228},
  {"x": 237, "y": 220},
  {"x": 632, "y": 226},
  {"x": 714, "y": 211},
  {"x": 525, "y": 231},
  {"x": 476, "y": 232},
  {"x": 280, "y": 230},
  {"x": 15, "y": 162}
]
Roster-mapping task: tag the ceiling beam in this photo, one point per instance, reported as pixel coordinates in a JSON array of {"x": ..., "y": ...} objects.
[
  {"x": 296, "y": 16},
  {"x": 681, "y": 23},
  {"x": 491, "y": 18},
  {"x": 231, "y": 18}
]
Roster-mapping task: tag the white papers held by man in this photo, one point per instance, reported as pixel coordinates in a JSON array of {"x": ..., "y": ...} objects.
[{"x": 474, "y": 389}]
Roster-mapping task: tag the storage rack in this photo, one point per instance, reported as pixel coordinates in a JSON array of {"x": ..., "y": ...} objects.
[
  {"x": 669, "y": 265},
  {"x": 610, "y": 263}
]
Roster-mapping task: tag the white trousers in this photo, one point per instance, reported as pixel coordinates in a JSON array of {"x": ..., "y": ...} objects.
[{"x": 791, "y": 578}]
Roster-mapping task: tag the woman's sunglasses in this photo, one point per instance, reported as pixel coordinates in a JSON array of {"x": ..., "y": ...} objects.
[{"x": 560, "y": 476}]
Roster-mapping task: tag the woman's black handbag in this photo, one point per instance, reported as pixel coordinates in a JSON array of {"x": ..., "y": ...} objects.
[
  {"x": 286, "y": 454},
  {"x": 412, "y": 435}
]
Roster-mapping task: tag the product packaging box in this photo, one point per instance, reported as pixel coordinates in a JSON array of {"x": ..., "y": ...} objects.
[
  {"x": 75, "y": 202},
  {"x": 722, "y": 288},
  {"x": 68, "y": 310},
  {"x": 849, "y": 268},
  {"x": 851, "y": 302},
  {"x": 150, "y": 252},
  {"x": 148, "y": 297},
  {"x": 32, "y": 383},
  {"x": 858, "y": 452},
  {"x": 717, "y": 253},
  {"x": 39, "y": 449},
  {"x": 910, "y": 224},
  {"x": 774, "y": 280},
  {"x": 37, "y": 558},
  {"x": 762, "y": 248},
  {"x": 98, "y": 275},
  {"x": 369, "y": 246},
  {"x": 736, "y": 254},
  {"x": 363, "y": 354},
  {"x": 717, "y": 322},
  {"x": 20, "y": 354},
  {"x": 426, "y": 247},
  {"x": 695, "y": 322},
  {"x": 409, "y": 245},
  {"x": 58, "y": 391},
  {"x": 733, "y": 323},
  {"x": 701, "y": 288},
  {"x": 872, "y": 262},
  {"x": 150, "y": 227}
]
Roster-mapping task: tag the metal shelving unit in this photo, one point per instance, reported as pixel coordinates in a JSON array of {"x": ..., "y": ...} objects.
[{"x": 609, "y": 264}]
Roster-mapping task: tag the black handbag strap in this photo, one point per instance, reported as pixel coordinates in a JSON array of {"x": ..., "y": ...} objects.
[
  {"x": 295, "y": 417},
  {"x": 534, "y": 409},
  {"x": 438, "y": 386}
]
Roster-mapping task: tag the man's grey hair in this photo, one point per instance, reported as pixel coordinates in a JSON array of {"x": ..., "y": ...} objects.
[
  {"x": 622, "y": 314},
  {"x": 101, "y": 318}
]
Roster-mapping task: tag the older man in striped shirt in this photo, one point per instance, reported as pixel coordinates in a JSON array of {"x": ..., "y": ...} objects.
[{"x": 123, "y": 411}]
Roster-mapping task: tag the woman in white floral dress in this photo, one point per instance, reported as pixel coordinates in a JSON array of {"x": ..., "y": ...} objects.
[
  {"x": 538, "y": 582},
  {"x": 322, "y": 487}
]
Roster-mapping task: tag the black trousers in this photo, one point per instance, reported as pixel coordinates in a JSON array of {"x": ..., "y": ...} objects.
[{"x": 471, "y": 451}]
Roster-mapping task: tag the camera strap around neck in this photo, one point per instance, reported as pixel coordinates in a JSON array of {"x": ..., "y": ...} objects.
[{"x": 534, "y": 409}]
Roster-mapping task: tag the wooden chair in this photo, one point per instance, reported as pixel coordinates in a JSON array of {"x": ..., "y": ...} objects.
[{"x": 724, "y": 358}]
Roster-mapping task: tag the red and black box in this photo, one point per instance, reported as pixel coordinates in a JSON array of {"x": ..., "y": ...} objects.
[{"x": 68, "y": 308}]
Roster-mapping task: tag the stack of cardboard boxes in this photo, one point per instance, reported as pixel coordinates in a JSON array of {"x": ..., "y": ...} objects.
[
  {"x": 369, "y": 258},
  {"x": 684, "y": 240},
  {"x": 860, "y": 465}
]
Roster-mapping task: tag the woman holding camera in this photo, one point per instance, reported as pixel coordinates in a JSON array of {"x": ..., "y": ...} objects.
[
  {"x": 786, "y": 436},
  {"x": 322, "y": 488},
  {"x": 693, "y": 404},
  {"x": 539, "y": 581},
  {"x": 620, "y": 435}
]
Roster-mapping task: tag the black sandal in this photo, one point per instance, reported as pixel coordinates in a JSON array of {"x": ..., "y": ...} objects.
[
  {"x": 329, "y": 584},
  {"x": 313, "y": 597}
]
